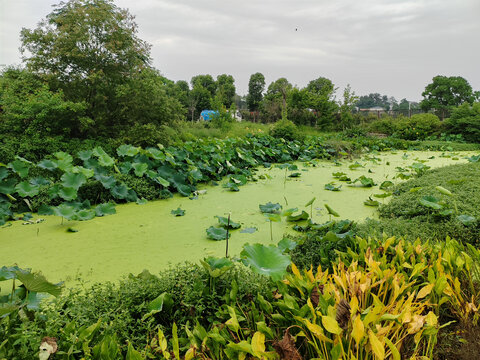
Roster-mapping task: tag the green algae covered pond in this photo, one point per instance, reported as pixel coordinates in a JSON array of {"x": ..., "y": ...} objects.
[{"x": 149, "y": 237}]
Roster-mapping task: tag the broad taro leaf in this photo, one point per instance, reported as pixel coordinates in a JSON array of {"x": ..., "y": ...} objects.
[
  {"x": 67, "y": 193},
  {"x": 3, "y": 172},
  {"x": 63, "y": 161},
  {"x": 85, "y": 154},
  {"x": 140, "y": 168},
  {"x": 25, "y": 189},
  {"x": 215, "y": 233},
  {"x": 216, "y": 267},
  {"x": 299, "y": 217},
  {"x": 223, "y": 222},
  {"x": 266, "y": 260},
  {"x": 331, "y": 211},
  {"x": 430, "y": 202},
  {"x": 270, "y": 208},
  {"x": 38, "y": 283},
  {"x": 178, "y": 212},
  {"x": 20, "y": 167},
  {"x": 467, "y": 220},
  {"x": 65, "y": 211},
  {"x": 127, "y": 150},
  {"x": 105, "y": 209},
  {"x": 106, "y": 181},
  {"x": 85, "y": 214},
  {"x": 332, "y": 187},
  {"x": 287, "y": 244},
  {"x": 71, "y": 180},
  {"x": 161, "y": 302},
  {"x": 119, "y": 191},
  {"x": 7, "y": 186},
  {"x": 47, "y": 164},
  {"x": 40, "y": 181}
]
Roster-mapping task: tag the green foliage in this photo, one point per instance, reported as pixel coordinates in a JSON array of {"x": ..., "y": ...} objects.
[
  {"x": 465, "y": 120},
  {"x": 285, "y": 129},
  {"x": 417, "y": 127},
  {"x": 256, "y": 86}
]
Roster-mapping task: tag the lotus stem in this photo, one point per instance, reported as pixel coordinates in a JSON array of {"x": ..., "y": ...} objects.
[{"x": 228, "y": 227}]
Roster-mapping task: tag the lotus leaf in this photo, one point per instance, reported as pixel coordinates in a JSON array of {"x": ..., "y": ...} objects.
[
  {"x": 47, "y": 164},
  {"x": 216, "y": 267},
  {"x": 474, "y": 158},
  {"x": 162, "y": 181},
  {"x": 39, "y": 180},
  {"x": 299, "y": 217},
  {"x": 140, "y": 168},
  {"x": 71, "y": 180},
  {"x": 85, "y": 214},
  {"x": 3, "y": 172},
  {"x": 332, "y": 187},
  {"x": 270, "y": 208},
  {"x": 215, "y": 233},
  {"x": 65, "y": 211},
  {"x": 231, "y": 186},
  {"x": 155, "y": 153},
  {"x": 310, "y": 202},
  {"x": 105, "y": 209},
  {"x": 383, "y": 196},
  {"x": 295, "y": 175},
  {"x": 338, "y": 174},
  {"x": 331, "y": 211},
  {"x": 386, "y": 185},
  {"x": 248, "y": 230},
  {"x": 289, "y": 212},
  {"x": 107, "y": 181},
  {"x": 21, "y": 167},
  {"x": 88, "y": 173},
  {"x": 178, "y": 212},
  {"x": 63, "y": 161},
  {"x": 7, "y": 186},
  {"x": 371, "y": 202},
  {"x": 38, "y": 283},
  {"x": 67, "y": 193},
  {"x": 224, "y": 222},
  {"x": 45, "y": 210},
  {"x": 287, "y": 244},
  {"x": 72, "y": 230},
  {"x": 119, "y": 191},
  {"x": 125, "y": 167},
  {"x": 141, "y": 201},
  {"x": 273, "y": 217},
  {"x": 467, "y": 220},
  {"x": 106, "y": 160},
  {"x": 184, "y": 190},
  {"x": 355, "y": 166},
  {"x": 364, "y": 181},
  {"x": 127, "y": 150},
  {"x": 85, "y": 154},
  {"x": 430, "y": 202},
  {"x": 265, "y": 260},
  {"x": 25, "y": 189}
]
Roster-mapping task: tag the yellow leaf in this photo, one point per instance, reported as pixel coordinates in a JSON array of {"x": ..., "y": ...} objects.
[
  {"x": 190, "y": 354},
  {"x": 358, "y": 330},
  {"x": 393, "y": 349},
  {"x": 426, "y": 290},
  {"x": 258, "y": 343},
  {"x": 377, "y": 346},
  {"x": 296, "y": 272},
  {"x": 316, "y": 330},
  {"x": 162, "y": 340},
  {"x": 331, "y": 325},
  {"x": 431, "y": 319},
  {"x": 353, "y": 305}
]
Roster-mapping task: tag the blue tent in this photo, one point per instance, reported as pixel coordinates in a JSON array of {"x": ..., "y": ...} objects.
[{"x": 208, "y": 115}]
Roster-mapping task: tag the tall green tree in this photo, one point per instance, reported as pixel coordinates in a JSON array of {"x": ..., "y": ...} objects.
[
  {"x": 87, "y": 48},
  {"x": 205, "y": 81},
  {"x": 322, "y": 100},
  {"x": 226, "y": 89},
  {"x": 279, "y": 90},
  {"x": 256, "y": 87},
  {"x": 444, "y": 93}
]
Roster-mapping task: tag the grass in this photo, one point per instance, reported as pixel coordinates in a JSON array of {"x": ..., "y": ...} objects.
[{"x": 405, "y": 216}]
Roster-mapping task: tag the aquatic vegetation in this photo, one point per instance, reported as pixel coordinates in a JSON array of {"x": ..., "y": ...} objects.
[
  {"x": 178, "y": 212},
  {"x": 270, "y": 208},
  {"x": 332, "y": 187},
  {"x": 364, "y": 181},
  {"x": 217, "y": 233}
]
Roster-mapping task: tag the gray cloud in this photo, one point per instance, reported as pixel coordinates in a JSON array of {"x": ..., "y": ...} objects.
[{"x": 393, "y": 47}]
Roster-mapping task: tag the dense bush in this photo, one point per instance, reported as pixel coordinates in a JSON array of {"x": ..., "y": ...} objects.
[
  {"x": 285, "y": 129},
  {"x": 417, "y": 127},
  {"x": 465, "y": 120}
]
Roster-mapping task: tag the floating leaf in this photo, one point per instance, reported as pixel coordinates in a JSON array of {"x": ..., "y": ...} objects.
[
  {"x": 295, "y": 175},
  {"x": 178, "y": 212},
  {"x": 270, "y": 208},
  {"x": 273, "y": 217},
  {"x": 223, "y": 222},
  {"x": 85, "y": 214},
  {"x": 72, "y": 230},
  {"x": 266, "y": 260},
  {"x": 365, "y": 181},
  {"x": 383, "y": 196},
  {"x": 332, "y": 187},
  {"x": 386, "y": 185},
  {"x": 217, "y": 234},
  {"x": 248, "y": 230},
  {"x": 371, "y": 202},
  {"x": 64, "y": 210}
]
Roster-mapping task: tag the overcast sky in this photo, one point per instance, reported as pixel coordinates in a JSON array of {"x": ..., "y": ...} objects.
[{"x": 392, "y": 47}]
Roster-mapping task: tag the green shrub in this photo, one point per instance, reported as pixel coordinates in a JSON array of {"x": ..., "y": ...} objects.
[
  {"x": 418, "y": 127},
  {"x": 146, "y": 135},
  {"x": 465, "y": 120},
  {"x": 285, "y": 129}
]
